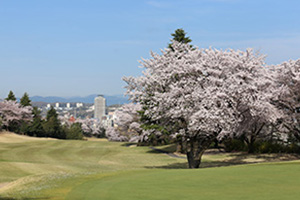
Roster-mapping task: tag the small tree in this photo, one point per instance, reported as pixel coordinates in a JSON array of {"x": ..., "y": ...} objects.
[
  {"x": 52, "y": 125},
  {"x": 127, "y": 122},
  {"x": 113, "y": 135},
  {"x": 11, "y": 96},
  {"x": 86, "y": 126},
  {"x": 12, "y": 114},
  {"x": 179, "y": 36},
  {"x": 73, "y": 132},
  {"x": 25, "y": 101},
  {"x": 99, "y": 131},
  {"x": 36, "y": 127}
]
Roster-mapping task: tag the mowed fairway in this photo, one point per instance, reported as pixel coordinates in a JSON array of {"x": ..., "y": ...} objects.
[
  {"x": 260, "y": 182},
  {"x": 49, "y": 168},
  {"x": 58, "y": 169}
]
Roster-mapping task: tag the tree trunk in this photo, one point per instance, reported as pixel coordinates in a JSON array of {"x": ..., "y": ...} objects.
[
  {"x": 180, "y": 147},
  {"x": 216, "y": 143},
  {"x": 254, "y": 136},
  {"x": 194, "y": 160},
  {"x": 251, "y": 147},
  {"x": 195, "y": 150},
  {"x": 250, "y": 143}
]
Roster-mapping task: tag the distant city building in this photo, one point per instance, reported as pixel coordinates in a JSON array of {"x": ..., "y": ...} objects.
[
  {"x": 68, "y": 105},
  {"x": 57, "y": 105},
  {"x": 99, "y": 103},
  {"x": 78, "y": 105},
  {"x": 91, "y": 109},
  {"x": 48, "y": 105}
]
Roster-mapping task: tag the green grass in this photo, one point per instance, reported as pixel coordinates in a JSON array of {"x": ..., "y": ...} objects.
[
  {"x": 273, "y": 181},
  {"x": 36, "y": 167},
  {"x": 60, "y": 169}
]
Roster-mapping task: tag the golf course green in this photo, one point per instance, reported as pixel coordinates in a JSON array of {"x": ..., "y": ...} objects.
[{"x": 41, "y": 168}]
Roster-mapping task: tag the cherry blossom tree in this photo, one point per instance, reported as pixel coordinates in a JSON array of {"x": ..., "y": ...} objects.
[
  {"x": 127, "y": 124},
  {"x": 202, "y": 93},
  {"x": 87, "y": 126},
  {"x": 114, "y": 135},
  {"x": 12, "y": 112},
  {"x": 90, "y": 127},
  {"x": 287, "y": 98},
  {"x": 257, "y": 116},
  {"x": 99, "y": 130}
]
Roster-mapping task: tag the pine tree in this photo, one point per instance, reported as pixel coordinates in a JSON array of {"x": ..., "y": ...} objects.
[
  {"x": 51, "y": 113},
  {"x": 25, "y": 101},
  {"x": 11, "y": 97},
  {"x": 73, "y": 132},
  {"x": 179, "y": 36},
  {"x": 52, "y": 125},
  {"x": 36, "y": 127},
  {"x": 24, "y": 127}
]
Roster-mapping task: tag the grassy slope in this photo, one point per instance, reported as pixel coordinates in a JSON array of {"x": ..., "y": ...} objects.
[
  {"x": 57, "y": 169},
  {"x": 36, "y": 167}
]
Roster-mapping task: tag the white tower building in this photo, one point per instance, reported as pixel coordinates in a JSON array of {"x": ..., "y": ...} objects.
[{"x": 99, "y": 107}]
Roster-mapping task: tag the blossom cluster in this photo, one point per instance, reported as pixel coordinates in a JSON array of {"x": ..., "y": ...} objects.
[
  {"x": 208, "y": 92},
  {"x": 14, "y": 112}
]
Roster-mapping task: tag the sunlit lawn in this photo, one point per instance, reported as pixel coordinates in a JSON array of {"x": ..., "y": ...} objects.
[{"x": 60, "y": 169}]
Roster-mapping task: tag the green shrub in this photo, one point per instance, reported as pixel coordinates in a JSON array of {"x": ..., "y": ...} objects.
[
  {"x": 231, "y": 145},
  {"x": 74, "y": 132},
  {"x": 275, "y": 147},
  {"x": 234, "y": 145},
  {"x": 293, "y": 148},
  {"x": 269, "y": 147},
  {"x": 101, "y": 133}
]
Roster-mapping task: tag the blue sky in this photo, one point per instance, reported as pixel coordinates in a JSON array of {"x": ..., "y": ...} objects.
[{"x": 81, "y": 47}]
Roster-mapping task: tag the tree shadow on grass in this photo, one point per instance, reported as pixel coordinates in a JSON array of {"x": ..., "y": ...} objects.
[
  {"x": 128, "y": 144},
  {"x": 170, "y": 166},
  {"x": 258, "y": 158},
  {"x": 234, "y": 159},
  {"x": 208, "y": 164},
  {"x": 163, "y": 151}
]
